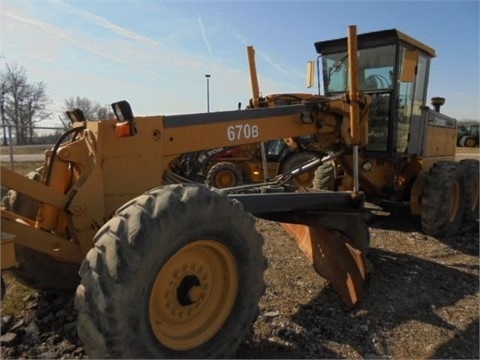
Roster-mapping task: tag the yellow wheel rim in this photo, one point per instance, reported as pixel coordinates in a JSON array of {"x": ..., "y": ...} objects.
[
  {"x": 193, "y": 295},
  {"x": 454, "y": 201},
  {"x": 225, "y": 178},
  {"x": 470, "y": 142}
]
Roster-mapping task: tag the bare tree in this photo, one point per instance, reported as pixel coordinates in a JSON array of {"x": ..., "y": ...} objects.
[
  {"x": 3, "y": 92},
  {"x": 22, "y": 105},
  {"x": 91, "y": 110}
]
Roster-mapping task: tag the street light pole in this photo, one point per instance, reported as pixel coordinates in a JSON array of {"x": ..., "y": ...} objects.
[{"x": 207, "y": 76}]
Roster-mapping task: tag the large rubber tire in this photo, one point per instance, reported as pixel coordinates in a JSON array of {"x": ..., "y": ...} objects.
[
  {"x": 295, "y": 160},
  {"x": 177, "y": 272},
  {"x": 468, "y": 141},
  {"x": 38, "y": 270},
  {"x": 3, "y": 289},
  {"x": 224, "y": 175},
  {"x": 471, "y": 169},
  {"x": 443, "y": 199},
  {"x": 324, "y": 177}
]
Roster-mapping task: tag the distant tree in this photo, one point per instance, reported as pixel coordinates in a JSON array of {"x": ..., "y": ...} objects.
[
  {"x": 467, "y": 122},
  {"x": 91, "y": 110},
  {"x": 22, "y": 105},
  {"x": 3, "y": 93}
]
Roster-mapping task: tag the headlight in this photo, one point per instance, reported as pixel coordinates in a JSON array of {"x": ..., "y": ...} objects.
[{"x": 123, "y": 111}]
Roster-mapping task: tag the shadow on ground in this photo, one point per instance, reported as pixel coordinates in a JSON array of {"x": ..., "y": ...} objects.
[{"x": 402, "y": 289}]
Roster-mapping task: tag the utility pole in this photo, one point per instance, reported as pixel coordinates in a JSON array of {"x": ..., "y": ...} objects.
[{"x": 207, "y": 76}]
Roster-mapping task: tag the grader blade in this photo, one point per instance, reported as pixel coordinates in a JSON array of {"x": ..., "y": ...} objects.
[
  {"x": 328, "y": 228},
  {"x": 334, "y": 258}
]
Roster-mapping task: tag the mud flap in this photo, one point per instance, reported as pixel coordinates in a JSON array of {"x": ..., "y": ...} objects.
[{"x": 336, "y": 256}]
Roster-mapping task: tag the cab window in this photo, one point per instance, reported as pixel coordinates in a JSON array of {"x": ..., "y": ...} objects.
[{"x": 375, "y": 66}]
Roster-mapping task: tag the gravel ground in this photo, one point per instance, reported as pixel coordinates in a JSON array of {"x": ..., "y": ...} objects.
[{"x": 422, "y": 302}]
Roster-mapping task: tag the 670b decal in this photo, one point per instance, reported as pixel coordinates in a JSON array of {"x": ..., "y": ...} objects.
[{"x": 239, "y": 132}]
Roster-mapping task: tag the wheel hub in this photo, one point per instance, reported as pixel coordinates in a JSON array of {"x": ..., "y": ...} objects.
[
  {"x": 225, "y": 179},
  {"x": 470, "y": 142},
  {"x": 193, "y": 294}
]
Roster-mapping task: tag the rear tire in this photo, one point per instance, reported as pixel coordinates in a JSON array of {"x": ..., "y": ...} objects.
[
  {"x": 324, "y": 177},
  {"x": 443, "y": 200},
  {"x": 38, "y": 270},
  {"x": 295, "y": 160},
  {"x": 468, "y": 141},
  {"x": 224, "y": 175},
  {"x": 471, "y": 169},
  {"x": 177, "y": 272}
]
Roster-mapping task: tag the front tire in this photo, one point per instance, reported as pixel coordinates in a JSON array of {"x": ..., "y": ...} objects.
[
  {"x": 443, "y": 200},
  {"x": 177, "y": 272}
]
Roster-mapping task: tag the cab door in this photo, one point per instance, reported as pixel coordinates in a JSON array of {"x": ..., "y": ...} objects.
[{"x": 411, "y": 98}]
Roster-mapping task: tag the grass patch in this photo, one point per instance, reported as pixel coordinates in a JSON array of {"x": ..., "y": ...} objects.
[
  {"x": 16, "y": 297},
  {"x": 25, "y": 149},
  {"x": 24, "y": 167}
]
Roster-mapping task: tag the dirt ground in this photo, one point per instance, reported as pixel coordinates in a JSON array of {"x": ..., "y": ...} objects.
[{"x": 422, "y": 301}]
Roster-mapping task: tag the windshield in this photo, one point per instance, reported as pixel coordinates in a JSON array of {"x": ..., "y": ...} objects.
[{"x": 375, "y": 70}]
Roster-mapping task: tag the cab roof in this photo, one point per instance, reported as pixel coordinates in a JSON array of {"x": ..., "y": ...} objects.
[{"x": 376, "y": 38}]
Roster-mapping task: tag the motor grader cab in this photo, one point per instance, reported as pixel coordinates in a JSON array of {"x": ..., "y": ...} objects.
[
  {"x": 393, "y": 70},
  {"x": 411, "y": 148}
]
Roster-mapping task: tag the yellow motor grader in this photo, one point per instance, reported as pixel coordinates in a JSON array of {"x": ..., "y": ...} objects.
[{"x": 166, "y": 270}]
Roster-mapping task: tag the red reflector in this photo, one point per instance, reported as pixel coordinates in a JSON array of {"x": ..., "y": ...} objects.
[{"x": 123, "y": 129}]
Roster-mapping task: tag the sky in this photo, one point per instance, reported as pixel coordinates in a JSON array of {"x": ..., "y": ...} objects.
[{"x": 155, "y": 54}]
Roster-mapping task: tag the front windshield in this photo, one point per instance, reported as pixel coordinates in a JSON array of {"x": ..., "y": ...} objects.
[{"x": 375, "y": 70}]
